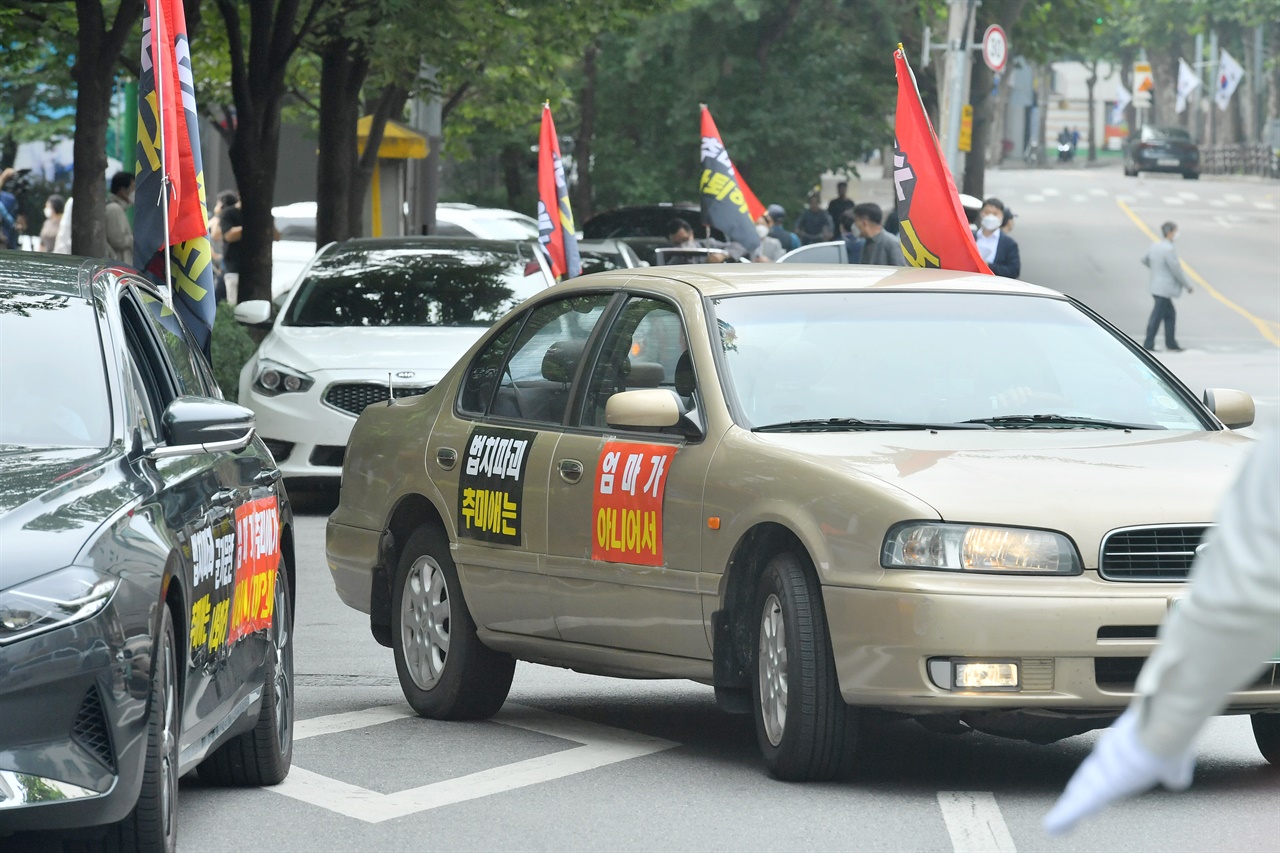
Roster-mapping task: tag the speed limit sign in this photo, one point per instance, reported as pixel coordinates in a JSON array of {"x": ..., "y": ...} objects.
[{"x": 995, "y": 48}]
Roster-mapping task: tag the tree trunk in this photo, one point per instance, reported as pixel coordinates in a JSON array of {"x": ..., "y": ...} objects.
[
  {"x": 1164, "y": 76},
  {"x": 1273, "y": 75},
  {"x": 390, "y": 103},
  {"x": 512, "y": 159},
  {"x": 995, "y": 142},
  {"x": 344, "y": 64},
  {"x": 584, "y": 204},
  {"x": 1044, "y": 78},
  {"x": 1091, "y": 82},
  {"x": 1247, "y": 93},
  {"x": 975, "y": 161}
]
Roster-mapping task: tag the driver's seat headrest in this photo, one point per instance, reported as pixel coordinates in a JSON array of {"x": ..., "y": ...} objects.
[{"x": 561, "y": 361}]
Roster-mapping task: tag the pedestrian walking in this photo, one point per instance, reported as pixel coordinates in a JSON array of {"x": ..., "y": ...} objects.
[
  {"x": 119, "y": 230},
  {"x": 769, "y": 249},
  {"x": 879, "y": 246},
  {"x": 229, "y": 229},
  {"x": 997, "y": 247},
  {"x": 778, "y": 230},
  {"x": 10, "y": 214},
  {"x": 814, "y": 225},
  {"x": 1211, "y": 645},
  {"x": 53, "y": 207},
  {"x": 840, "y": 205},
  {"x": 1167, "y": 282}
]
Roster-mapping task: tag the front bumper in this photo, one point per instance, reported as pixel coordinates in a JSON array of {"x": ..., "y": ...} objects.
[
  {"x": 73, "y": 719},
  {"x": 1078, "y": 643}
]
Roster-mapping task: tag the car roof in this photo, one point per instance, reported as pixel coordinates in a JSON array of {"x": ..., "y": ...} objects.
[
  {"x": 375, "y": 244},
  {"x": 731, "y": 279},
  {"x": 42, "y": 272}
]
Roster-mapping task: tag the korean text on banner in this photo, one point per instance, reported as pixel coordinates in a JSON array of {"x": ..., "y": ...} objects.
[
  {"x": 727, "y": 202},
  {"x": 556, "y": 230},
  {"x": 257, "y": 558},
  {"x": 938, "y": 235},
  {"x": 167, "y": 100},
  {"x": 626, "y": 510}
]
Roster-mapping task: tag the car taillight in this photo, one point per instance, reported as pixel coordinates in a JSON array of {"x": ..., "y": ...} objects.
[{"x": 532, "y": 268}]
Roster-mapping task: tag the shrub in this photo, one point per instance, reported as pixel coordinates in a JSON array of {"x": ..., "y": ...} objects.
[{"x": 232, "y": 348}]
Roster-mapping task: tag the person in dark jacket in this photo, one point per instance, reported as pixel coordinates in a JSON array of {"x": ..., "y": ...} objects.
[
  {"x": 879, "y": 246},
  {"x": 778, "y": 230},
  {"x": 997, "y": 248}
]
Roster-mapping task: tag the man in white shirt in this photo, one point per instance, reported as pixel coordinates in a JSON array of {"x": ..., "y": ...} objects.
[{"x": 998, "y": 249}]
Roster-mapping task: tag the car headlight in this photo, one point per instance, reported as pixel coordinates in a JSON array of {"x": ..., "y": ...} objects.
[
  {"x": 977, "y": 548},
  {"x": 273, "y": 378},
  {"x": 49, "y": 602}
]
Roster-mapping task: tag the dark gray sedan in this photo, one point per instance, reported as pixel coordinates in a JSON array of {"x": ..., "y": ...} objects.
[{"x": 146, "y": 564}]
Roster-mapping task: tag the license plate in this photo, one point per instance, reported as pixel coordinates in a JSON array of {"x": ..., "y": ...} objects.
[
  {"x": 1173, "y": 605},
  {"x": 1167, "y": 161}
]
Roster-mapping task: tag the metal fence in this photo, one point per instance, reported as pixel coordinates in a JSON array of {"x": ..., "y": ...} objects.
[{"x": 1250, "y": 158}]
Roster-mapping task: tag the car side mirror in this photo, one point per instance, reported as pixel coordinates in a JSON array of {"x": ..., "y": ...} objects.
[
  {"x": 1234, "y": 408},
  {"x": 194, "y": 425},
  {"x": 255, "y": 312},
  {"x": 643, "y": 407}
]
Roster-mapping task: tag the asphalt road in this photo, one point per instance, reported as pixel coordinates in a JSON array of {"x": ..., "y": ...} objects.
[{"x": 583, "y": 762}]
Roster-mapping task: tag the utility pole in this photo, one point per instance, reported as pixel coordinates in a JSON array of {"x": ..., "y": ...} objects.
[
  {"x": 960, "y": 23},
  {"x": 424, "y": 175}
]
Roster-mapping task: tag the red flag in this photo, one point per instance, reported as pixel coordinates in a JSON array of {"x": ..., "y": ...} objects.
[
  {"x": 555, "y": 219},
  {"x": 713, "y": 145},
  {"x": 938, "y": 235}
]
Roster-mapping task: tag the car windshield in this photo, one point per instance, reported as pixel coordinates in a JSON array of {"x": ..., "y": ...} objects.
[
  {"x": 413, "y": 287},
  {"x": 51, "y": 396},
  {"x": 936, "y": 358}
]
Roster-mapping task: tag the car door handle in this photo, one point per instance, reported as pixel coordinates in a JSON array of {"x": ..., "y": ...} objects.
[
  {"x": 570, "y": 470},
  {"x": 446, "y": 458}
]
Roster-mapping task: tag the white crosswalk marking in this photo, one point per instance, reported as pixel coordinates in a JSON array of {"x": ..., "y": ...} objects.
[
  {"x": 974, "y": 822},
  {"x": 1217, "y": 202},
  {"x": 1079, "y": 197},
  {"x": 1264, "y": 205},
  {"x": 1034, "y": 198},
  {"x": 1097, "y": 191},
  {"x": 1188, "y": 195},
  {"x": 1050, "y": 191},
  {"x": 1234, "y": 197},
  {"x": 1173, "y": 201}
]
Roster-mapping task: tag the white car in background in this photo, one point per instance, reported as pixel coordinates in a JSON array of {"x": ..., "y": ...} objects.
[
  {"x": 369, "y": 318},
  {"x": 454, "y": 219}
]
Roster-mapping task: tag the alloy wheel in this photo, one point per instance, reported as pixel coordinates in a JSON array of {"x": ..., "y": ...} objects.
[
  {"x": 773, "y": 670},
  {"x": 284, "y": 668},
  {"x": 424, "y": 622},
  {"x": 169, "y": 741}
]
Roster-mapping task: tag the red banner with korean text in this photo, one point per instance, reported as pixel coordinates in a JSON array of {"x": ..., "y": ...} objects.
[
  {"x": 257, "y": 558},
  {"x": 626, "y": 510},
  {"x": 556, "y": 230},
  {"x": 934, "y": 230}
]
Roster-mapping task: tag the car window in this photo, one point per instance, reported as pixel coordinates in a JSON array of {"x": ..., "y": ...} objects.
[
  {"x": 643, "y": 348},
  {"x": 183, "y": 357},
  {"x": 157, "y": 379},
  {"x": 142, "y": 408},
  {"x": 600, "y": 261},
  {"x": 59, "y": 397},
  {"x": 482, "y": 376},
  {"x": 535, "y": 383}
]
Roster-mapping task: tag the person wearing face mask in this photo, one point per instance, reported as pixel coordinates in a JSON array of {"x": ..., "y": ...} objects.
[
  {"x": 997, "y": 248},
  {"x": 53, "y": 207},
  {"x": 119, "y": 231},
  {"x": 770, "y": 249},
  {"x": 1167, "y": 283}
]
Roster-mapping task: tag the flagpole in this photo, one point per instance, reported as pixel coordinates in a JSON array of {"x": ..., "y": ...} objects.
[{"x": 165, "y": 184}]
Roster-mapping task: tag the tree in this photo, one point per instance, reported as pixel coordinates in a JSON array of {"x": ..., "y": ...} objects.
[{"x": 37, "y": 95}]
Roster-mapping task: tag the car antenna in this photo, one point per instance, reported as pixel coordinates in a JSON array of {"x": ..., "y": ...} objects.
[{"x": 391, "y": 390}]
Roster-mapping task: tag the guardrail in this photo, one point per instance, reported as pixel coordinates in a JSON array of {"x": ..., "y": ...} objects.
[{"x": 1249, "y": 158}]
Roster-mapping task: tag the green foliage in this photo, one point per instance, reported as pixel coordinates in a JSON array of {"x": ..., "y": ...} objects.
[
  {"x": 232, "y": 348},
  {"x": 37, "y": 95}
]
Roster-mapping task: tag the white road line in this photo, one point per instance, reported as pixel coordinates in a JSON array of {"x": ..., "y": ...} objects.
[
  {"x": 1079, "y": 197},
  {"x": 1050, "y": 191},
  {"x": 1173, "y": 201},
  {"x": 601, "y": 745},
  {"x": 1189, "y": 196},
  {"x": 1264, "y": 205},
  {"x": 335, "y": 723},
  {"x": 1217, "y": 202},
  {"x": 1034, "y": 198},
  {"x": 1235, "y": 197},
  {"x": 1097, "y": 191},
  {"x": 974, "y": 822}
]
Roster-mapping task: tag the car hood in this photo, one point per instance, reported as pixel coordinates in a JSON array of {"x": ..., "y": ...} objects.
[
  {"x": 1081, "y": 482},
  {"x": 431, "y": 351},
  {"x": 51, "y": 502}
]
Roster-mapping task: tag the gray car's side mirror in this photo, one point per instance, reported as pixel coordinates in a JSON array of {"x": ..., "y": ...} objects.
[
  {"x": 194, "y": 425},
  {"x": 653, "y": 408},
  {"x": 1234, "y": 408}
]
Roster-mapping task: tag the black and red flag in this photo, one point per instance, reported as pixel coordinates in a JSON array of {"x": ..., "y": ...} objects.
[
  {"x": 727, "y": 202},
  {"x": 555, "y": 218},
  {"x": 935, "y": 232},
  {"x": 169, "y": 149}
]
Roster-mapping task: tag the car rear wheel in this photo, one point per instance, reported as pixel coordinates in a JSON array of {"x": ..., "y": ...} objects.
[
  {"x": 152, "y": 826},
  {"x": 1266, "y": 733},
  {"x": 805, "y": 729},
  {"x": 446, "y": 673},
  {"x": 263, "y": 755}
]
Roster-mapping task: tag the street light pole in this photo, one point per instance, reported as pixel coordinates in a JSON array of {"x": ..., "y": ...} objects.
[{"x": 960, "y": 21}]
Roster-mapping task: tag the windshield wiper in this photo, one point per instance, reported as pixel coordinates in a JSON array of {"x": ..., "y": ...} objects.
[
  {"x": 853, "y": 424},
  {"x": 1057, "y": 420}
]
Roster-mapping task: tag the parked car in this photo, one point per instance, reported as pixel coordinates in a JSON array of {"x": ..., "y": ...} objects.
[
  {"x": 605, "y": 255},
  {"x": 957, "y": 497},
  {"x": 455, "y": 219},
  {"x": 372, "y": 318},
  {"x": 1162, "y": 149},
  {"x": 147, "y": 573},
  {"x": 296, "y": 247},
  {"x": 644, "y": 227}
]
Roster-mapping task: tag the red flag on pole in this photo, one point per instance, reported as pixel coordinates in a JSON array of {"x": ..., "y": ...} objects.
[
  {"x": 937, "y": 235},
  {"x": 727, "y": 202},
  {"x": 556, "y": 230}
]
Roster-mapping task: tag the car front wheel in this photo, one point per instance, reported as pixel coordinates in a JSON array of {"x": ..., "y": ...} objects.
[
  {"x": 1266, "y": 733},
  {"x": 446, "y": 673},
  {"x": 805, "y": 729}
]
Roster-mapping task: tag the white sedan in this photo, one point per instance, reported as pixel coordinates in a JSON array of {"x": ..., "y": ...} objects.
[{"x": 368, "y": 319}]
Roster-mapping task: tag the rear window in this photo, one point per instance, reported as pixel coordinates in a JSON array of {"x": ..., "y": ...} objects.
[{"x": 1173, "y": 134}]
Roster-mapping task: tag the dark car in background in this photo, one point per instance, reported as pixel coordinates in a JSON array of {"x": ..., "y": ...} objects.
[
  {"x": 146, "y": 564},
  {"x": 1162, "y": 149},
  {"x": 644, "y": 226}
]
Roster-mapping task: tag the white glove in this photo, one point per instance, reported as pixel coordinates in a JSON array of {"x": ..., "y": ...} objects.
[{"x": 1119, "y": 767}]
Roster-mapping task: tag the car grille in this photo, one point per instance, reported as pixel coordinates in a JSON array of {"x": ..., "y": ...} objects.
[
  {"x": 330, "y": 455},
  {"x": 1150, "y": 553},
  {"x": 280, "y": 450},
  {"x": 355, "y": 397},
  {"x": 90, "y": 729},
  {"x": 1121, "y": 674}
]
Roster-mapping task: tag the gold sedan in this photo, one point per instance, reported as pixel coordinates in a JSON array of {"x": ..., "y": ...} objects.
[{"x": 819, "y": 489}]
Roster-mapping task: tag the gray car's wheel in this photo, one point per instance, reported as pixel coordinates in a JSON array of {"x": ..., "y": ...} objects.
[
  {"x": 152, "y": 826},
  {"x": 805, "y": 729},
  {"x": 446, "y": 673},
  {"x": 1266, "y": 733},
  {"x": 263, "y": 755}
]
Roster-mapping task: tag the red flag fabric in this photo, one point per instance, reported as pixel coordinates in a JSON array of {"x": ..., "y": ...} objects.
[
  {"x": 713, "y": 147},
  {"x": 934, "y": 230},
  {"x": 556, "y": 230}
]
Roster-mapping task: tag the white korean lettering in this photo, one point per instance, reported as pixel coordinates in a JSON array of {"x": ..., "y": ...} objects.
[
  {"x": 632, "y": 472},
  {"x": 655, "y": 475},
  {"x": 608, "y": 468}
]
